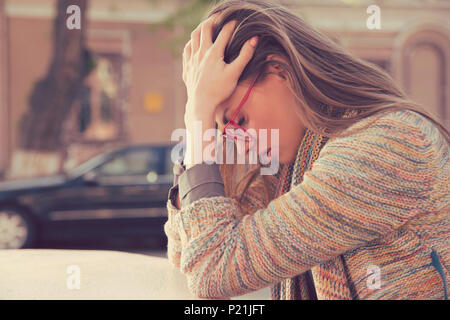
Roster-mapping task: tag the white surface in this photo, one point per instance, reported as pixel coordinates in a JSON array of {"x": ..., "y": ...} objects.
[{"x": 43, "y": 274}]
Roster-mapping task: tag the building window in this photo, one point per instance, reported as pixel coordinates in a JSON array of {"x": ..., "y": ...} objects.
[{"x": 99, "y": 113}]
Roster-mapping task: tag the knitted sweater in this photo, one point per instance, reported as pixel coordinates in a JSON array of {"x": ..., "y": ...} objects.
[{"x": 378, "y": 200}]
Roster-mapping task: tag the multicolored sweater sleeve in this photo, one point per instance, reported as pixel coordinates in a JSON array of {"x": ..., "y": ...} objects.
[
  {"x": 252, "y": 200},
  {"x": 360, "y": 188}
]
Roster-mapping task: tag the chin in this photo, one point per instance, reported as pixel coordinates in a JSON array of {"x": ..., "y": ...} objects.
[{"x": 283, "y": 159}]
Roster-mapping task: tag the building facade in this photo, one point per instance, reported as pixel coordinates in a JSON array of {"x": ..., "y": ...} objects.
[
  {"x": 4, "y": 116},
  {"x": 136, "y": 94}
]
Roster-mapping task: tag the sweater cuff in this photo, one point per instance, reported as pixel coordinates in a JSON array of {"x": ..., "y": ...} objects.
[
  {"x": 200, "y": 181},
  {"x": 173, "y": 193}
]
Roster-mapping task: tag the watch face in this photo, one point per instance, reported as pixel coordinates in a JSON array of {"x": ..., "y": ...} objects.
[{"x": 178, "y": 169}]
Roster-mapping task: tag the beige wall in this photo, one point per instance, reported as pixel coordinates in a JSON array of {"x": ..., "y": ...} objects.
[
  {"x": 414, "y": 40},
  {"x": 151, "y": 70},
  {"x": 4, "y": 129},
  {"x": 29, "y": 46}
]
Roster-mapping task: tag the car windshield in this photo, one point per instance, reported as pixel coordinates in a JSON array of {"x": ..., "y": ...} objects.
[
  {"x": 89, "y": 164},
  {"x": 134, "y": 161}
]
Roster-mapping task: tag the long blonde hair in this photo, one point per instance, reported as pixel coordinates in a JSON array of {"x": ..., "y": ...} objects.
[{"x": 325, "y": 79}]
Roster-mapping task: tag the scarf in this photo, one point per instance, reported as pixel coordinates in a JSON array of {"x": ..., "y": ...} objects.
[{"x": 314, "y": 283}]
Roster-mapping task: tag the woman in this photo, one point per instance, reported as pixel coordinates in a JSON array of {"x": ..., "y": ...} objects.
[{"x": 361, "y": 201}]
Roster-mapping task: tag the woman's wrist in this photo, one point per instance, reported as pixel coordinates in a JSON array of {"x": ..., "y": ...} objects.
[
  {"x": 194, "y": 156},
  {"x": 196, "y": 125},
  {"x": 200, "y": 181},
  {"x": 195, "y": 111}
]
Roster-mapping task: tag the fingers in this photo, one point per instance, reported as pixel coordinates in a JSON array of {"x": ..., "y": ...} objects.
[
  {"x": 201, "y": 37},
  {"x": 195, "y": 38},
  {"x": 206, "y": 34},
  {"x": 186, "y": 56},
  {"x": 201, "y": 41},
  {"x": 224, "y": 37},
  {"x": 245, "y": 55},
  {"x": 187, "y": 50}
]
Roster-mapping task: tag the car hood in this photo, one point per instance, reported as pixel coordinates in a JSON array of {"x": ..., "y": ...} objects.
[{"x": 26, "y": 184}]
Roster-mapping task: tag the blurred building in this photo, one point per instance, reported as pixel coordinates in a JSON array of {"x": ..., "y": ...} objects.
[
  {"x": 136, "y": 95},
  {"x": 413, "y": 43}
]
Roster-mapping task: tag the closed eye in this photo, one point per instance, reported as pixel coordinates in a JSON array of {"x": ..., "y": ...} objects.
[{"x": 224, "y": 119}]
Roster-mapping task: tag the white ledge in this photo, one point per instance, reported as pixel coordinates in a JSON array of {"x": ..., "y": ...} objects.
[{"x": 43, "y": 274}]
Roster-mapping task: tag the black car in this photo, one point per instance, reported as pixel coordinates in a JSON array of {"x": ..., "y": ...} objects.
[{"x": 117, "y": 194}]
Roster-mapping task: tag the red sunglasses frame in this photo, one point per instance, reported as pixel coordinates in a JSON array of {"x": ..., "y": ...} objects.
[{"x": 233, "y": 117}]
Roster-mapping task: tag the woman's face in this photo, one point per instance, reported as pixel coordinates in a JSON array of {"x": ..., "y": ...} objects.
[{"x": 270, "y": 105}]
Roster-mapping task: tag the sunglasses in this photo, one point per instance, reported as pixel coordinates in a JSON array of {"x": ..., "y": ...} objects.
[{"x": 234, "y": 131}]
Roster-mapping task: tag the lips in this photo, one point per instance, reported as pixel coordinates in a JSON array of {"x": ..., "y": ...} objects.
[{"x": 267, "y": 152}]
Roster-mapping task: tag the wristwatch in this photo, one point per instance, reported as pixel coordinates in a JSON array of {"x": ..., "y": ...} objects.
[
  {"x": 199, "y": 181},
  {"x": 178, "y": 168}
]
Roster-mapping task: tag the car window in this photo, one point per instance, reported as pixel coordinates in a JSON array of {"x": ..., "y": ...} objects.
[
  {"x": 135, "y": 162},
  {"x": 169, "y": 163}
]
